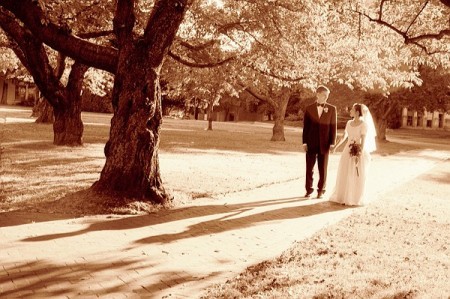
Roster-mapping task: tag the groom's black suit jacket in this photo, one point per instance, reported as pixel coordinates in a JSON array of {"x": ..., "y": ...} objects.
[{"x": 319, "y": 132}]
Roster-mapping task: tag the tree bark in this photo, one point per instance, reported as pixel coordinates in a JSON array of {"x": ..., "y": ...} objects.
[
  {"x": 196, "y": 110},
  {"x": 280, "y": 112},
  {"x": 44, "y": 112},
  {"x": 132, "y": 163},
  {"x": 68, "y": 126},
  {"x": 210, "y": 119},
  {"x": 210, "y": 124},
  {"x": 381, "y": 129},
  {"x": 227, "y": 113},
  {"x": 385, "y": 108}
]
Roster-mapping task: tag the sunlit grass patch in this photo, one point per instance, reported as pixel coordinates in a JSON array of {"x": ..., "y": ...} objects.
[
  {"x": 46, "y": 172},
  {"x": 179, "y": 135}
]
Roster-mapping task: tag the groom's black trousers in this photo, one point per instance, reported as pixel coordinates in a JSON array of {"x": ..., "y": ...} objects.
[{"x": 322, "y": 163}]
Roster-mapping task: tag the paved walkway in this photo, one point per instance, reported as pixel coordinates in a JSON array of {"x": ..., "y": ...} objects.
[{"x": 176, "y": 253}]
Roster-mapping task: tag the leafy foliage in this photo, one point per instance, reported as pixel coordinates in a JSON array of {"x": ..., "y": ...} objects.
[
  {"x": 424, "y": 25},
  {"x": 9, "y": 61},
  {"x": 432, "y": 94}
]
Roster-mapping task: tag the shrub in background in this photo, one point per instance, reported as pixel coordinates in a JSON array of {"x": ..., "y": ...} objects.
[{"x": 95, "y": 103}]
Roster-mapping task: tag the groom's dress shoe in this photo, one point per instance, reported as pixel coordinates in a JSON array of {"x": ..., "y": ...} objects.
[
  {"x": 320, "y": 194},
  {"x": 308, "y": 194}
]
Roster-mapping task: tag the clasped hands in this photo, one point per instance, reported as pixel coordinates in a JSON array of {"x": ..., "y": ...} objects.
[{"x": 332, "y": 147}]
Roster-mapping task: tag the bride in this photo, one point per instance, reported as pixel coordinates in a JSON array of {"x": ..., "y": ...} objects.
[{"x": 355, "y": 158}]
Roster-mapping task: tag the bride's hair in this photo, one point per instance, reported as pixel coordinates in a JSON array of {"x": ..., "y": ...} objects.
[{"x": 358, "y": 109}]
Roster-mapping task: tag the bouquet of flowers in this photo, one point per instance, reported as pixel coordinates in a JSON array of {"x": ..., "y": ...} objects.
[{"x": 355, "y": 151}]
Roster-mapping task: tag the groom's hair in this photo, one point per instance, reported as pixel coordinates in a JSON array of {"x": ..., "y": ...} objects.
[{"x": 322, "y": 88}]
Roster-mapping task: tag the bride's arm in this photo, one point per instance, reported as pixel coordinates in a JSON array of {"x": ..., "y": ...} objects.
[
  {"x": 363, "y": 138},
  {"x": 363, "y": 135}
]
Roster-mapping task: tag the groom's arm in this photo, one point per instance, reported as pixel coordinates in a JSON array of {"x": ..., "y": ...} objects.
[
  {"x": 333, "y": 124},
  {"x": 306, "y": 126}
]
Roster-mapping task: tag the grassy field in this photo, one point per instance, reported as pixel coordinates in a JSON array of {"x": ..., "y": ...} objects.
[
  {"x": 194, "y": 162},
  {"x": 234, "y": 156},
  {"x": 395, "y": 248}
]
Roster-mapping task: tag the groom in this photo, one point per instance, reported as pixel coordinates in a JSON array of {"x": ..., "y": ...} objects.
[{"x": 319, "y": 135}]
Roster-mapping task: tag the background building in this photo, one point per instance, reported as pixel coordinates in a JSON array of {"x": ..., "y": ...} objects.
[
  {"x": 425, "y": 119},
  {"x": 16, "y": 92}
]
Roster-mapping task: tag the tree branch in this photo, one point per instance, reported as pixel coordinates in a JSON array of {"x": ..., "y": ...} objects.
[
  {"x": 238, "y": 25},
  {"x": 60, "y": 66},
  {"x": 31, "y": 15},
  {"x": 19, "y": 53},
  {"x": 417, "y": 15},
  {"x": 404, "y": 34},
  {"x": 257, "y": 95},
  {"x": 163, "y": 24},
  {"x": 33, "y": 56},
  {"x": 272, "y": 74},
  {"x": 446, "y": 2},
  {"x": 198, "y": 47},
  {"x": 289, "y": 5},
  {"x": 4, "y": 44},
  {"x": 95, "y": 34},
  {"x": 124, "y": 20},
  {"x": 199, "y": 65}
]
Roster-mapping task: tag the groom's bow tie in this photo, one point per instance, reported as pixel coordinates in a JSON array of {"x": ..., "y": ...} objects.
[{"x": 320, "y": 105}]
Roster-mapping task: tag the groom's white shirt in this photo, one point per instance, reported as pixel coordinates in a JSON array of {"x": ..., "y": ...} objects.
[{"x": 319, "y": 110}]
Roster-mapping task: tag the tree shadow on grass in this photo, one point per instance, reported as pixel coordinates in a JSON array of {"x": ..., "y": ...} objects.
[
  {"x": 82, "y": 278},
  {"x": 14, "y": 218},
  {"x": 32, "y": 145},
  {"x": 440, "y": 177},
  {"x": 230, "y": 217}
]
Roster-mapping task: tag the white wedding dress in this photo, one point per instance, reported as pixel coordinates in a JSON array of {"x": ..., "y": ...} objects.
[{"x": 351, "y": 176}]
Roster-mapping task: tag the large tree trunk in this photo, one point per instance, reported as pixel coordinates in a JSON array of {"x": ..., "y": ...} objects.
[
  {"x": 132, "y": 163},
  {"x": 210, "y": 124},
  {"x": 68, "y": 126},
  {"x": 381, "y": 126},
  {"x": 227, "y": 114},
  {"x": 280, "y": 112},
  {"x": 44, "y": 111},
  {"x": 210, "y": 118},
  {"x": 383, "y": 113},
  {"x": 196, "y": 111}
]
